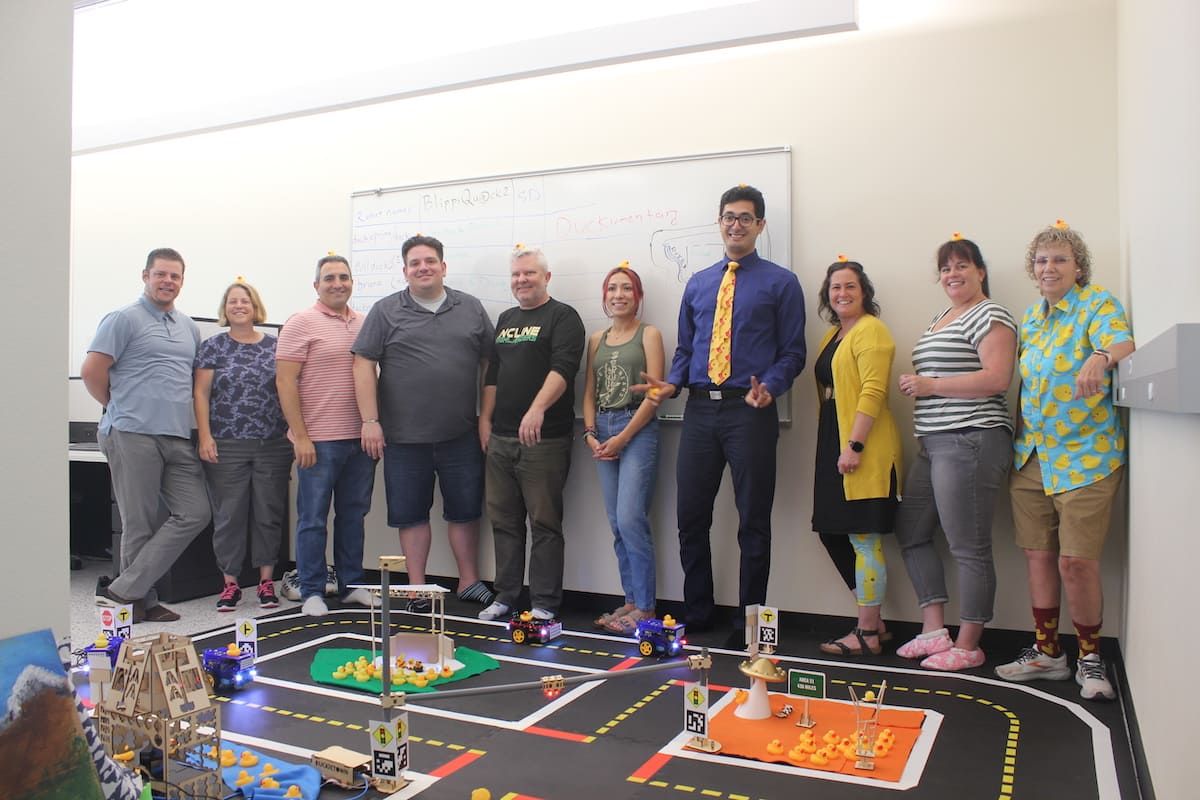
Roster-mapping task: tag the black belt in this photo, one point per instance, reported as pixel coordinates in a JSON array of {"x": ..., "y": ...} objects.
[{"x": 713, "y": 393}]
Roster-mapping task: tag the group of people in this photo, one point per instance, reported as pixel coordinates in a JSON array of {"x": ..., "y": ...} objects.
[{"x": 428, "y": 385}]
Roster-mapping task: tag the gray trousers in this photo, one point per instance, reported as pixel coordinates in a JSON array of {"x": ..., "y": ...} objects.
[
  {"x": 528, "y": 481},
  {"x": 149, "y": 473},
  {"x": 249, "y": 490},
  {"x": 953, "y": 483}
]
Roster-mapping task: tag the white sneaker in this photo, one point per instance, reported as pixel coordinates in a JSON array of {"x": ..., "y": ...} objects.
[
  {"x": 331, "y": 585},
  {"x": 541, "y": 613},
  {"x": 361, "y": 597},
  {"x": 1092, "y": 677},
  {"x": 289, "y": 585},
  {"x": 495, "y": 611},
  {"x": 314, "y": 607},
  {"x": 1034, "y": 665}
]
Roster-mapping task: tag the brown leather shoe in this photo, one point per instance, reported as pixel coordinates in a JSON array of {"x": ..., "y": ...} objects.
[{"x": 159, "y": 613}]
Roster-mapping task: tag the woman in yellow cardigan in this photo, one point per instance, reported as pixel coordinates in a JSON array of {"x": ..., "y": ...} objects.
[{"x": 858, "y": 448}]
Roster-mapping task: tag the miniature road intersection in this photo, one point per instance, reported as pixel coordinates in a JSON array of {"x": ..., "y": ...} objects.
[{"x": 623, "y": 738}]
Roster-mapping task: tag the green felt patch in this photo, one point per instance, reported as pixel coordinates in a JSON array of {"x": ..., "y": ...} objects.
[{"x": 328, "y": 659}]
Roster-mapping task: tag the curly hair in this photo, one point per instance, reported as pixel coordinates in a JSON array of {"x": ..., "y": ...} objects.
[
  {"x": 1052, "y": 234},
  {"x": 868, "y": 289}
]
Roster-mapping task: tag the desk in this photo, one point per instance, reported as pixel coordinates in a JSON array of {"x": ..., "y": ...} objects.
[{"x": 96, "y": 529}]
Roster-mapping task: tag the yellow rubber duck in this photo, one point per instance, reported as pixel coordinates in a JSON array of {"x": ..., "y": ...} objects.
[
  {"x": 830, "y": 737},
  {"x": 362, "y": 676},
  {"x": 102, "y": 641},
  {"x": 269, "y": 769},
  {"x": 419, "y": 681},
  {"x": 269, "y": 783},
  {"x": 819, "y": 758},
  {"x": 740, "y": 696},
  {"x": 233, "y": 651},
  {"x": 293, "y": 791},
  {"x": 243, "y": 779},
  {"x": 212, "y": 753},
  {"x": 481, "y": 794},
  {"x": 797, "y": 755},
  {"x": 526, "y": 616},
  {"x": 668, "y": 620},
  {"x": 398, "y": 679},
  {"x": 869, "y": 696},
  {"x": 808, "y": 745},
  {"x": 126, "y": 756},
  {"x": 339, "y": 674},
  {"x": 447, "y": 672},
  {"x": 774, "y": 747},
  {"x": 228, "y": 759},
  {"x": 248, "y": 759}
]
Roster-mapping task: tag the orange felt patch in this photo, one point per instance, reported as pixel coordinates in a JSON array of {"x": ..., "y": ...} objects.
[{"x": 748, "y": 738}]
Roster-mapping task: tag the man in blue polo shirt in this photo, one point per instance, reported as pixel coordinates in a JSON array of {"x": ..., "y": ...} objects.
[
  {"x": 733, "y": 368},
  {"x": 139, "y": 367}
]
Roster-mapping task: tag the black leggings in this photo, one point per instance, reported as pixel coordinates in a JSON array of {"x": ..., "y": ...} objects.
[{"x": 841, "y": 552}]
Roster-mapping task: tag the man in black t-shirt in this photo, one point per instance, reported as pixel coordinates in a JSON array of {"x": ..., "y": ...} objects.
[{"x": 527, "y": 415}]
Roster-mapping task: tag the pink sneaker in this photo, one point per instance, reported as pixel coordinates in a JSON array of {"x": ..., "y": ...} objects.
[
  {"x": 926, "y": 644},
  {"x": 954, "y": 659}
]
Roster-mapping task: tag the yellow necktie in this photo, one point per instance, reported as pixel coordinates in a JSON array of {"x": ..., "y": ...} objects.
[{"x": 722, "y": 330}]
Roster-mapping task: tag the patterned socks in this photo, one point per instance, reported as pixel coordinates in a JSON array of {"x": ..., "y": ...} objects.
[
  {"x": 1045, "y": 623},
  {"x": 1089, "y": 638}
]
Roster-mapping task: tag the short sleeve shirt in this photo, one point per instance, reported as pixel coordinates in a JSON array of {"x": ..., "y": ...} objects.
[
  {"x": 244, "y": 403},
  {"x": 320, "y": 339},
  {"x": 423, "y": 353},
  {"x": 1080, "y": 441},
  {"x": 150, "y": 381}
]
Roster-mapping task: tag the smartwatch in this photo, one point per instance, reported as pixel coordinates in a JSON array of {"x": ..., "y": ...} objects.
[{"x": 856, "y": 446}]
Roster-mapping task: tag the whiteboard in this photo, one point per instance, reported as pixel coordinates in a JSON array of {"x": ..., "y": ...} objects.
[{"x": 659, "y": 214}]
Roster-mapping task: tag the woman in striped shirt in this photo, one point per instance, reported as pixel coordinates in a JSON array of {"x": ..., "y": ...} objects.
[{"x": 963, "y": 366}]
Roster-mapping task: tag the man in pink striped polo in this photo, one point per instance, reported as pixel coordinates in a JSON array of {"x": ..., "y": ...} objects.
[{"x": 314, "y": 373}]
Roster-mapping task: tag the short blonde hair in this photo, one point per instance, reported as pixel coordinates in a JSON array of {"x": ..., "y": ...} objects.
[
  {"x": 260, "y": 311},
  {"x": 1052, "y": 234}
]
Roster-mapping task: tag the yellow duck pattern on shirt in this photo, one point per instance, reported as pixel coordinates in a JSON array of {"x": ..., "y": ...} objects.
[{"x": 1079, "y": 441}]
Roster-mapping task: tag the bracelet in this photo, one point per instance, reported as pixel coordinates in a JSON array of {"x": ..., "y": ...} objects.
[
  {"x": 1100, "y": 351},
  {"x": 365, "y": 421},
  {"x": 591, "y": 432}
]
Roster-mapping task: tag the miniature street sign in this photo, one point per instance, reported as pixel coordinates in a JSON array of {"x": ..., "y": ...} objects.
[
  {"x": 806, "y": 684},
  {"x": 389, "y": 752},
  {"x": 695, "y": 718},
  {"x": 247, "y": 635},
  {"x": 768, "y": 628},
  {"x": 124, "y": 624}
]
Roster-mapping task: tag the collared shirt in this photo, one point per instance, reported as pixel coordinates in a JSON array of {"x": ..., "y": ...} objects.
[
  {"x": 768, "y": 326},
  {"x": 320, "y": 339},
  {"x": 1077, "y": 441},
  {"x": 424, "y": 354},
  {"x": 150, "y": 381}
]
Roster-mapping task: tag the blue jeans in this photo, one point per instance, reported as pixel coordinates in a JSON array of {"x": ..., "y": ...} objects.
[
  {"x": 345, "y": 476},
  {"x": 953, "y": 484},
  {"x": 628, "y": 486}
]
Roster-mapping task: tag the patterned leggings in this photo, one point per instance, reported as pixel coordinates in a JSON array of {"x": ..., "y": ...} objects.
[{"x": 870, "y": 570}]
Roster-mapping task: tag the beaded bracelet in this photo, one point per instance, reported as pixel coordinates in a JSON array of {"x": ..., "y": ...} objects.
[{"x": 591, "y": 432}]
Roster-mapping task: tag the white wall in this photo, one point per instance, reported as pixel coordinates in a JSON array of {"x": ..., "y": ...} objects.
[
  {"x": 1159, "y": 114},
  {"x": 899, "y": 138},
  {"x": 35, "y": 171}
]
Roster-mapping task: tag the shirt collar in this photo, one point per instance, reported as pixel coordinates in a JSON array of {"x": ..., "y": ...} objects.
[
  {"x": 748, "y": 260},
  {"x": 154, "y": 310},
  {"x": 329, "y": 312},
  {"x": 1064, "y": 304}
]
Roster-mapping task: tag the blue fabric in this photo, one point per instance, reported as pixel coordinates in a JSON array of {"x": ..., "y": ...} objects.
[
  {"x": 343, "y": 476},
  {"x": 150, "y": 381},
  {"x": 308, "y": 778},
  {"x": 408, "y": 473},
  {"x": 244, "y": 403},
  {"x": 768, "y": 326},
  {"x": 628, "y": 487}
]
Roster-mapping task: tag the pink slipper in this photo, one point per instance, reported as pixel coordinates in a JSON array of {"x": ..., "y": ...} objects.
[
  {"x": 926, "y": 644},
  {"x": 954, "y": 659}
]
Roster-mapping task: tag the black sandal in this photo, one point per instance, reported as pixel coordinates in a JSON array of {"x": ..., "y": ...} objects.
[{"x": 835, "y": 648}]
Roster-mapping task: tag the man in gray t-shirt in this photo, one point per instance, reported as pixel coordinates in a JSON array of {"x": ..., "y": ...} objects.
[
  {"x": 139, "y": 367},
  {"x": 417, "y": 366}
]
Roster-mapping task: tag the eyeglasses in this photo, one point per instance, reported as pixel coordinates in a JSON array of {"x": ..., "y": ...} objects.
[{"x": 746, "y": 219}]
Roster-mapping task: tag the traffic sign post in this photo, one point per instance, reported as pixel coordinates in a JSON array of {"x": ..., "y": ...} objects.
[{"x": 806, "y": 684}]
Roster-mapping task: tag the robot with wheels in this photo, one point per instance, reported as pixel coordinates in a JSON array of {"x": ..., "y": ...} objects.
[
  {"x": 663, "y": 636},
  {"x": 229, "y": 668},
  {"x": 524, "y": 628}
]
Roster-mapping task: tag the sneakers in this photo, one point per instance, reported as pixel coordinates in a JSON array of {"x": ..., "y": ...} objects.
[
  {"x": 266, "y": 594},
  {"x": 361, "y": 597},
  {"x": 1034, "y": 665},
  {"x": 314, "y": 607},
  {"x": 541, "y": 613},
  {"x": 231, "y": 595},
  {"x": 954, "y": 659},
  {"x": 477, "y": 592},
  {"x": 289, "y": 586},
  {"x": 926, "y": 644},
  {"x": 419, "y": 605},
  {"x": 495, "y": 611},
  {"x": 1092, "y": 677}
]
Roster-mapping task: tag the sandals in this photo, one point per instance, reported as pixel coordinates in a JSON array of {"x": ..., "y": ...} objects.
[
  {"x": 626, "y": 624},
  {"x": 603, "y": 620},
  {"x": 836, "y": 648}
]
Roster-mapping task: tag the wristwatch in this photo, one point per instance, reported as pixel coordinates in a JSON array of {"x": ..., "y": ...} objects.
[{"x": 856, "y": 446}]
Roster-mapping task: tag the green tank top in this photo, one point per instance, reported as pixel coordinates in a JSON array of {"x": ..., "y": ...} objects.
[{"x": 617, "y": 368}]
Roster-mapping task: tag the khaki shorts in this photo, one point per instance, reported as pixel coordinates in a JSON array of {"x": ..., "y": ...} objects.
[{"x": 1071, "y": 523}]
